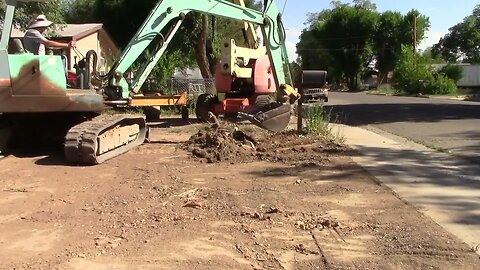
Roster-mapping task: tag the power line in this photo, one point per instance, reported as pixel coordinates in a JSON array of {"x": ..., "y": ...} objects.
[
  {"x": 284, "y": 5},
  {"x": 345, "y": 49},
  {"x": 343, "y": 38}
]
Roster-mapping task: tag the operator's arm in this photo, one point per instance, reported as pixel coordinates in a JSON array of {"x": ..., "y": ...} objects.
[{"x": 54, "y": 44}]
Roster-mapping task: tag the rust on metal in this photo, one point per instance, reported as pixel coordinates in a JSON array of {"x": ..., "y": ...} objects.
[{"x": 5, "y": 83}]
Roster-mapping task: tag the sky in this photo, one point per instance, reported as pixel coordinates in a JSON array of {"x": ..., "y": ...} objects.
[{"x": 443, "y": 14}]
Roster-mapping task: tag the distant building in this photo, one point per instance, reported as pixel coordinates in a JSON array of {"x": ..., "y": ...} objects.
[
  {"x": 470, "y": 74},
  {"x": 87, "y": 37}
]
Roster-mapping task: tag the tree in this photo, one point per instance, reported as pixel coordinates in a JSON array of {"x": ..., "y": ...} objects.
[
  {"x": 414, "y": 76},
  {"x": 430, "y": 58},
  {"x": 80, "y": 11},
  {"x": 347, "y": 39},
  {"x": 346, "y": 34},
  {"x": 462, "y": 43},
  {"x": 453, "y": 72},
  {"x": 195, "y": 40},
  {"x": 365, "y": 4},
  {"x": 117, "y": 16},
  {"x": 422, "y": 25},
  {"x": 393, "y": 31},
  {"x": 27, "y": 11},
  {"x": 316, "y": 57},
  {"x": 313, "y": 55}
]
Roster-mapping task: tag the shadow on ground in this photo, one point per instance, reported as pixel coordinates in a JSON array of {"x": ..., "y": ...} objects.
[
  {"x": 46, "y": 156},
  {"x": 439, "y": 174},
  {"x": 365, "y": 114}
]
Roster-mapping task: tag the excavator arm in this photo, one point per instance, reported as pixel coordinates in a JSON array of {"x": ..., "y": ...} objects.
[
  {"x": 248, "y": 29},
  {"x": 164, "y": 21}
]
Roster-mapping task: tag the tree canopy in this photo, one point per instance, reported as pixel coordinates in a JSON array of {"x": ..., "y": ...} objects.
[
  {"x": 462, "y": 43},
  {"x": 197, "y": 41},
  {"x": 27, "y": 11},
  {"x": 350, "y": 38},
  {"x": 393, "y": 31}
]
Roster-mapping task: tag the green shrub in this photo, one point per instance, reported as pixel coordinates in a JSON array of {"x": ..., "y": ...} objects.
[
  {"x": 318, "y": 123},
  {"x": 452, "y": 72},
  {"x": 414, "y": 76},
  {"x": 441, "y": 85}
]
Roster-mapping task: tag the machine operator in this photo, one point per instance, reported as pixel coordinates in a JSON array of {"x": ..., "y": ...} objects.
[{"x": 35, "y": 42}]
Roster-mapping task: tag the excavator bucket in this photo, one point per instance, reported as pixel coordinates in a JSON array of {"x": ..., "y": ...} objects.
[
  {"x": 273, "y": 116},
  {"x": 276, "y": 116}
]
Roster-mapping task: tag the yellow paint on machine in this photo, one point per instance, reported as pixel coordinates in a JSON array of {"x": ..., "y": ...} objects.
[
  {"x": 170, "y": 100},
  {"x": 116, "y": 137}
]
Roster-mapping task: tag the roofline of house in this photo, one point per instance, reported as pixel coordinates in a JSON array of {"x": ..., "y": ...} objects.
[
  {"x": 87, "y": 32},
  {"x": 95, "y": 28}
]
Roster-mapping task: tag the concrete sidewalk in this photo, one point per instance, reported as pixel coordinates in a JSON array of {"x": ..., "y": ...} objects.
[{"x": 443, "y": 187}]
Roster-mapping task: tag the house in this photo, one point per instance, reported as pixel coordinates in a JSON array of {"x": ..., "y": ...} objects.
[{"x": 87, "y": 37}]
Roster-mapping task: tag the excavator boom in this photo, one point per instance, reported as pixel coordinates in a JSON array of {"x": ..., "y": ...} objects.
[
  {"x": 248, "y": 29},
  {"x": 164, "y": 21}
]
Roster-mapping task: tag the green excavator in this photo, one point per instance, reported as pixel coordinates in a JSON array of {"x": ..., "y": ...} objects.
[{"x": 36, "y": 101}]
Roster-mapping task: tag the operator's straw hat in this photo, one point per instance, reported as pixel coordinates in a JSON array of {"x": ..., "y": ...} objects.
[{"x": 41, "y": 21}]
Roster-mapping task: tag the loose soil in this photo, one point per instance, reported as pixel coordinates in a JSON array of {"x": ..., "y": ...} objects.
[
  {"x": 227, "y": 143},
  {"x": 269, "y": 202}
]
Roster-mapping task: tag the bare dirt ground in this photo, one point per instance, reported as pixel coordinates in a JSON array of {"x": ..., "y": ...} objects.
[{"x": 255, "y": 202}]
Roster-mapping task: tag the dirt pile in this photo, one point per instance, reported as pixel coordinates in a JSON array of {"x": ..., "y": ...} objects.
[
  {"x": 216, "y": 144},
  {"x": 219, "y": 144}
]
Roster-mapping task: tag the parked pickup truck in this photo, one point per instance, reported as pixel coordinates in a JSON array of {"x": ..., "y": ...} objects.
[{"x": 315, "y": 94}]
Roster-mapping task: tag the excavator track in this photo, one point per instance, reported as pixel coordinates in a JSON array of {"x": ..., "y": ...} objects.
[{"x": 104, "y": 137}]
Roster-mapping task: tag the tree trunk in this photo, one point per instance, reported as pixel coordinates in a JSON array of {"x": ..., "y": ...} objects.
[{"x": 201, "y": 49}]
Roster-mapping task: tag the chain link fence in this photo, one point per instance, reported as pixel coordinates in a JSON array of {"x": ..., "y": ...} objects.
[
  {"x": 174, "y": 86},
  {"x": 194, "y": 87}
]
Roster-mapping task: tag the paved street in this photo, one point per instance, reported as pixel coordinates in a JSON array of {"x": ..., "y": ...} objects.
[{"x": 437, "y": 123}]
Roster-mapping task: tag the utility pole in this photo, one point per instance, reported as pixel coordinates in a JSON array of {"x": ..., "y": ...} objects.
[{"x": 415, "y": 33}]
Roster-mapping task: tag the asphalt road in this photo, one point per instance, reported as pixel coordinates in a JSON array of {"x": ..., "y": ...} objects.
[{"x": 446, "y": 125}]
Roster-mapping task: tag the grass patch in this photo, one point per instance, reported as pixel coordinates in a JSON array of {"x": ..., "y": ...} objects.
[
  {"x": 169, "y": 110},
  {"x": 434, "y": 147},
  {"x": 387, "y": 90},
  {"x": 318, "y": 123},
  {"x": 129, "y": 110}
]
